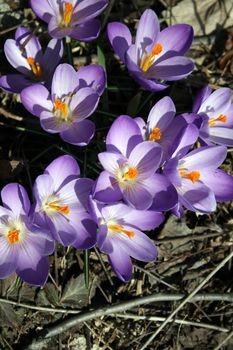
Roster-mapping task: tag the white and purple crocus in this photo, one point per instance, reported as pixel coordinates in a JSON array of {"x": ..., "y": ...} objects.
[
  {"x": 155, "y": 56},
  {"x": 25, "y": 54},
  {"x": 74, "y": 18},
  {"x": 74, "y": 97}
]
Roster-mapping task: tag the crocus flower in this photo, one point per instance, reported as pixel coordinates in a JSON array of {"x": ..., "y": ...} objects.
[
  {"x": 130, "y": 169},
  {"x": 25, "y": 54},
  {"x": 120, "y": 237},
  {"x": 74, "y": 18},
  {"x": 216, "y": 110},
  {"x": 198, "y": 181},
  {"x": 74, "y": 97},
  {"x": 24, "y": 247},
  {"x": 155, "y": 56},
  {"x": 61, "y": 204}
]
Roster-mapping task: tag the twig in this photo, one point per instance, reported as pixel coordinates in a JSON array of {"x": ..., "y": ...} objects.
[
  {"x": 9, "y": 115},
  {"x": 178, "y": 321},
  {"x": 224, "y": 341},
  {"x": 189, "y": 237},
  {"x": 191, "y": 295},
  {"x": 104, "y": 267}
]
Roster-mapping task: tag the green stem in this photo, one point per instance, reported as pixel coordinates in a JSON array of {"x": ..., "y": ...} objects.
[
  {"x": 69, "y": 50},
  {"x": 86, "y": 268}
]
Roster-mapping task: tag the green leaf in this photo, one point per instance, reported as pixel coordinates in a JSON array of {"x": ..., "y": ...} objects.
[{"x": 75, "y": 292}]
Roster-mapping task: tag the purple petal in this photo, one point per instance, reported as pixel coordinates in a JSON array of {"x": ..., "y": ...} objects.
[
  {"x": 202, "y": 95},
  {"x": 111, "y": 161},
  {"x": 120, "y": 262},
  {"x": 218, "y": 102},
  {"x": 64, "y": 81},
  {"x": 57, "y": 31},
  {"x": 86, "y": 231},
  {"x": 138, "y": 196},
  {"x": 7, "y": 259},
  {"x": 33, "y": 48},
  {"x": 123, "y": 135},
  {"x": 86, "y": 10},
  {"x": 42, "y": 9},
  {"x": 14, "y": 82},
  {"x": 106, "y": 189},
  {"x": 184, "y": 140},
  {"x": 87, "y": 31},
  {"x": 222, "y": 136},
  {"x": 162, "y": 114},
  {"x": 205, "y": 158},
  {"x": 83, "y": 190},
  {"x": 104, "y": 242},
  {"x": 220, "y": 183},
  {"x": 15, "y": 57},
  {"x": 93, "y": 76},
  {"x": 15, "y": 198},
  {"x": 43, "y": 187},
  {"x": 52, "y": 56},
  {"x": 35, "y": 275},
  {"x": 36, "y": 98},
  {"x": 84, "y": 103},
  {"x": 80, "y": 133},
  {"x": 120, "y": 38},
  {"x": 51, "y": 124}
]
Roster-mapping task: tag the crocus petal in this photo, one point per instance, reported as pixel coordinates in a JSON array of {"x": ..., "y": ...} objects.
[
  {"x": 120, "y": 262},
  {"x": 137, "y": 196},
  {"x": 92, "y": 76},
  {"x": 62, "y": 170},
  {"x": 111, "y": 161},
  {"x": 43, "y": 186},
  {"x": 50, "y": 123},
  {"x": 84, "y": 103},
  {"x": 162, "y": 114},
  {"x": 184, "y": 140},
  {"x": 220, "y": 183},
  {"x": 86, "y": 10},
  {"x": 146, "y": 158},
  {"x": 123, "y": 135},
  {"x": 80, "y": 133},
  {"x": 86, "y": 231},
  {"x": 149, "y": 84},
  {"x": 147, "y": 31},
  {"x": 205, "y": 158},
  {"x": 7, "y": 259},
  {"x": 56, "y": 31},
  {"x": 53, "y": 54},
  {"x": 36, "y": 98},
  {"x": 104, "y": 242},
  {"x": 87, "y": 31},
  {"x": 221, "y": 136},
  {"x": 14, "y": 82},
  {"x": 218, "y": 102},
  {"x": 177, "y": 38},
  {"x": 15, "y": 57},
  {"x": 33, "y": 48},
  {"x": 42, "y": 9},
  {"x": 15, "y": 198},
  {"x": 35, "y": 275},
  {"x": 64, "y": 227},
  {"x": 202, "y": 95},
  {"x": 83, "y": 188},
  {"x": 64, "y": 80},
  {"x": 120, "y": 38},
  {"x": 173, "y": 68},
  {"x": 106, "y": 189}
]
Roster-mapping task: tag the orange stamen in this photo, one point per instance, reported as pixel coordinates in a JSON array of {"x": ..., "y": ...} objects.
[
  {"x": 155, "y": 135},
  {"x": 120, "y": 229},
  {"x": 193, "y": 176},
  {"x": 221, "y": 118},
  {"x": 61, "y": 106},
  {"x": 13, "y": 236},
  {"x": 68, "y": 11},
  {"x": 148, "y": 60},
  {"x": 131, "y": 174},
  {"x": 61, "y": 209},
  {"x": 35, "y": 67}
]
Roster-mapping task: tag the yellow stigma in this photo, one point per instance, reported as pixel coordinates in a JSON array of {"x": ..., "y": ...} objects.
[
  {"x": 148, "y": 60},
  {"x": 61, "y": 209},
  {"x": 120, "y": 229},
  {"x": 221, "y": 118},
  {"x": 155, "y": 135},
  {"x": 61, "y": 109},
  {"x": 193, "y": 175},
  {"x": 35, "y": 67},
  {"x": 131, "y": 174},
  {"x": 13, "y": 236},
  {"x": 67, "y": 14}
]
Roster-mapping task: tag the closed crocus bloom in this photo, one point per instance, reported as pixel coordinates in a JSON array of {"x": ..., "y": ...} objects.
[
  {"x": 61, "y": 204},
  {"x": 216, "y": 110},
  {"x": 154, "y": 56},
  {"x": 74, "y": 18},
  {"x": 130, "y": 169},
  {"x": 74, "y": 97},
  {"x": 24, "y": 246},
  {"x": 25, "y": 54},
  {"x": 120, "y": 236}
]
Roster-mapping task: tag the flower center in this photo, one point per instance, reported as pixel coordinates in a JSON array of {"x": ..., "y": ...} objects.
[
  {"x": 221, "y": 118},
  {"x": 155, "y": 135},
  {"x": 35, "y": 67},
  {"x": 193, "y": 175},
  {"x": 60, "y": 209},
  {"x": 67, "y": 14},
  {"x": 120, "y": 229},
  {"x": 148, "y": 60},
  {"x": 13, "y": 236},
  {"x": 61, "y": 110}
]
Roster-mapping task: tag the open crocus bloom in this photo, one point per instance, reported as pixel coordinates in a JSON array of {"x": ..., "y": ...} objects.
[
  {"x": 24, "y": 248},
  {"x": 216, "y": 110},
  {"x": 119, "y": 235},
  {"x": 74, "y": 97},
  {"x": 198, "y": 182},
  {"x": 61, "y": 204},
  {"x": 25, "y": 54},
  {"x": 74, "y": 18},
  {"x": 154, "y": 56},
  {"x": 130, "y": 169}
]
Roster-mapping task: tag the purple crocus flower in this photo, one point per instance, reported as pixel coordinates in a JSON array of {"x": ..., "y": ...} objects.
[
  {"x": 154, "y": 56},
  {"x": 74, "y": 97},
  {"x": 130, "y": 170},
  {"x": 119, "y": 235},
  {"x": 74, "y": 18},
  {"x": 61, "y": 204},
  {"x": 25, "y": 54},
  {"x": 198, "y": 181},
  {"x": 24, "y": 247},
  {"x": 216, "y": 110}
]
